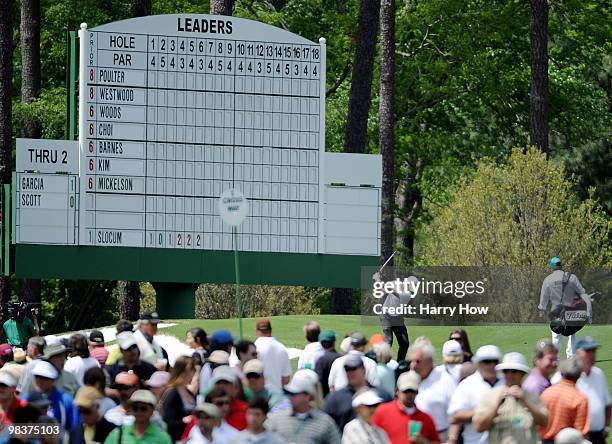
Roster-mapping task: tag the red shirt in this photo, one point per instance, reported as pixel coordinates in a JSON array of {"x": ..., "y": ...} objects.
[
  {"x": 237, "y": 416},
  {"x": 394, "y": 421},
  {"x": 17, "y": 402}
]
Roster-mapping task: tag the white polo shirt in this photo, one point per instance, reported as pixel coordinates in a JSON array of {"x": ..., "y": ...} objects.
[
  {"x": 275, "y": 358},
  {"x": 434, "y": 396},
  {"x": 337, "y": 375},
  {"x": 595, "y": 388},
  {"x": 311, "y": 354},
  {"x": 467, "y": 396}
]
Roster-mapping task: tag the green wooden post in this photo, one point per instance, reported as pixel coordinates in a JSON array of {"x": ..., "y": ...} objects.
[
  {"x": 71, "y": 79},
  {"x": 6, "y": 216},
  {"x": 237, "y": 268}
]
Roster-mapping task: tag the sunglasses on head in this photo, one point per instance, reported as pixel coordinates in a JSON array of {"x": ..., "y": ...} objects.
[
  {"x": 122, "y": 387},
  {"x": 140, "y": 407},
  {"x": 221, "y": 403},
  {"x": 456, "y": 338},
  {"x": 253, "y": 375},
  {"x": 490, "y": 361},
  {"x": 202, "y": 415},
  {"x": 85, "y": 411}
]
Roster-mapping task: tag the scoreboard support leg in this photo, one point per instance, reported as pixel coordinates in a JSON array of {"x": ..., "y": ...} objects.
[
  {"x": 237, "y": 268},
  {"x": 175, "y": 301}
]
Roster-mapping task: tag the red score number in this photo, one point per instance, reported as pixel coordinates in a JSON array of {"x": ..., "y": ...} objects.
[
  {"x": 91, "y": 146},
  {"x": 91, "y": 164},
  {"x": 91, "y": 74}
]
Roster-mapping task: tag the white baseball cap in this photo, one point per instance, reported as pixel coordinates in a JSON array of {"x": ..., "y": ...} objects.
[
  {"x": 7, "y": 379},
  {"x": 126, "y": 339},
  {"x": 44, "y": 369},
  {"x": 143, "y": 396},
  {"x": 345, "y": 345},
  {"x": 368, "y": 398},
  {"x": 570, "y": 436},
  {"x": 452, "y": 348},
  {"x": 224, "y": 373},
  {"x": 488, "y": 352},
  {"x": 408, "y": 381},
  {"x": 253, "y": 366},
  {"x": 300, "y": 385},
  {"x": 513, "y": 361}
]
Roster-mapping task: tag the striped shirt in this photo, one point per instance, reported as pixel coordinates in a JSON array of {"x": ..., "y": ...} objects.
[
  {"x": 99, "y": 353},
  {"x": 567, "y": 407},
  {"x": 360, "y": 432},
  {"x": 315, "y": 428}
]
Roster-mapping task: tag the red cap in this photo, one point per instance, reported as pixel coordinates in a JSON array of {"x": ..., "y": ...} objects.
[
  {"x": 263, "y": 325},
  {"x": 6, "y": 350}
]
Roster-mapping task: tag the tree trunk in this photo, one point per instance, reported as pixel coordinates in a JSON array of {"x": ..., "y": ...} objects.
[
  {"x": 342, "y": 301},
  {"x": 361, "y": 85},
  {"x": 221, "y": 7},
  {"x": 141, "y": 8},
  {"x": 129, "y": 302},
  {"x": 6, "y": 76},
  {"x": 30, "y": 90},
  {"x": 386, "y": 118},
  {"x": 359, "y": 106},
  {"x": 539, "y": 75},
  {"x": 279, "y": 4},
  {"x": 408, "y": 202}
]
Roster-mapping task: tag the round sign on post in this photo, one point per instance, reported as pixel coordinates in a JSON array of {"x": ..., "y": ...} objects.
[{"x": 233, "y": 207}]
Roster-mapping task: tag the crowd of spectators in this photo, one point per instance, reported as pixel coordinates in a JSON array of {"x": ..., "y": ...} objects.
[{"x": 226, "y": 391}]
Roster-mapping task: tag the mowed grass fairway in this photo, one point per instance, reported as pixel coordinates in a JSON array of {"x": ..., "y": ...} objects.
[{"x": 521, "y": 337}]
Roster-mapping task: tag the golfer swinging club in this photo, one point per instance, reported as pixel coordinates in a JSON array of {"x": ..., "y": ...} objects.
[
  {"x": 563, "y": 290},
  {"x": 394, "y": 323}
]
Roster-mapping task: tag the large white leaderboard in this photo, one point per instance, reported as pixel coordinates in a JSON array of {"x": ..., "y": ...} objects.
[{"x": 176, "y": 109}]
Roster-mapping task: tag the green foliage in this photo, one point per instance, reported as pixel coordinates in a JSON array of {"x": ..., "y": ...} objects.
[
  {"x": 518, "y": 213},
  {"x": 590, "y": 164},
  {"x": 217, "y": 301},
  {"x": 77, "y": 305},
  {"x": 49, "y": 111},
  {"x": 463, "y": 85}
]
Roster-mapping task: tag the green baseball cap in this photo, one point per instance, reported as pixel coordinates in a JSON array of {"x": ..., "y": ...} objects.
[{"x": 327, "y": 336}]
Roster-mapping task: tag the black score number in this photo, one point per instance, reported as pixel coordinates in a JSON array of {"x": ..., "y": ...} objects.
[{"x": 156, "y": 239}]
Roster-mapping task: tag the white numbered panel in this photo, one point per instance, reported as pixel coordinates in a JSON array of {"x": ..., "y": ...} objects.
[
  {"x": 178, "y": 108},
  {"x": 46, "y": 208}
]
